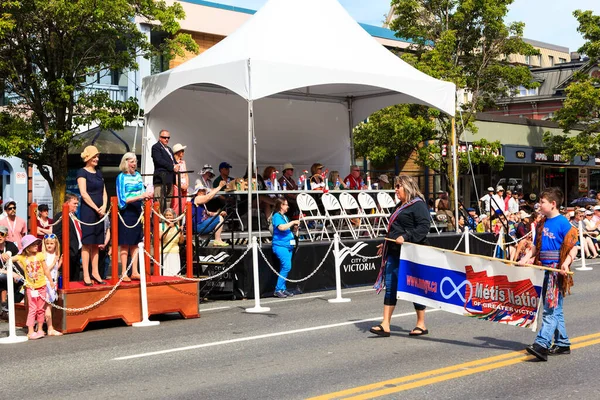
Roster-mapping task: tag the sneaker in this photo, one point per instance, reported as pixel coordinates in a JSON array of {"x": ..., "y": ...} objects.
[
  {"x": 558, "y": 350},
  {"x": 280, "y": 293},
  {"x": 540, "y": 352},
  {"x": 218, "y": 243},
  {"x": 288, "y": 293},
  {"x": 35, "y": 335}
]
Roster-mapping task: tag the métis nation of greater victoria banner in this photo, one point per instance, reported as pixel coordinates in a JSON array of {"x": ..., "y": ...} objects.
[{"x": 470, "y": 285}]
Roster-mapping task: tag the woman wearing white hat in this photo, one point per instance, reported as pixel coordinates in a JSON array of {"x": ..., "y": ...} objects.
[{"x": 181, "y": 178}]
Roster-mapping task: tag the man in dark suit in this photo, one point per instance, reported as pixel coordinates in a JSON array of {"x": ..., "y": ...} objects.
[
  {"x": 165, "y": 168},
  {"x": 74, "y": 237}
]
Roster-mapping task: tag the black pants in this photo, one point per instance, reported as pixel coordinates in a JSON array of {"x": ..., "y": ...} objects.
[{"x": 75, "y": 266}]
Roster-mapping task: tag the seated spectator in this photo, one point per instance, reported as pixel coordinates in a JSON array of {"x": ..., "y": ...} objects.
[
  {"x": 286, "y": 181},
  {"x": 354, "y": 180},
  {"x": 205, "y": 222},
  {"x": 317, "y": 182},
  {"x": 472, "y": 219},
  {"x": 383, "y": 182},
  {"x": 484, "y": 224},
  {"x": 334, "y": 182},
  {"x": 224, "y": 169},
  {"x": 206, "y": 176}
]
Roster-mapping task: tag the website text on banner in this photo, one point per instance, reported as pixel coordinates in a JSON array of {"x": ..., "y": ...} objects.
[{"x": 470, "y": 285}]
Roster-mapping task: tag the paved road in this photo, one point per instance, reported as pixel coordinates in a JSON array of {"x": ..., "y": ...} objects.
[{"x": 307, "y": 347}]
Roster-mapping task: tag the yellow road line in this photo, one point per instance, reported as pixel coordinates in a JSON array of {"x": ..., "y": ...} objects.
[{"x": 446, "y": 373}]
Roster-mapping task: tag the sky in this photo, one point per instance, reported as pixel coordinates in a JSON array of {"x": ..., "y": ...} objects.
[{"x": 549, "y": 21}]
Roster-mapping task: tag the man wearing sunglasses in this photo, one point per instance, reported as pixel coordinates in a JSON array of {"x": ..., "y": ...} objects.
[
  {"x": 6, "y": 247},
  {"x": 17, "y": 227},
  {"x": 165, "y": 168}
]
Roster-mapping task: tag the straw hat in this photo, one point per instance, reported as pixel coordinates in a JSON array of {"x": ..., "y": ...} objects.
[
  {"x": 88, "y": 153},
  {"x": 287, "y": 166},
  {"x": 178, "y": 147}
]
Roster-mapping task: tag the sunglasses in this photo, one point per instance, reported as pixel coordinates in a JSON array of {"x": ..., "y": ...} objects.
[
  {"x": 398, "y": 186},
  {"x": 165, "y": 137},
  {"x": 11, "y": 208},
  {"x": 2, "y": 234},
  {"x": 50, "y": 236}
]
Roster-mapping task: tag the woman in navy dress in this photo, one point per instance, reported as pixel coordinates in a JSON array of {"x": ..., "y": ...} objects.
[{"x": 93, "y": 208}]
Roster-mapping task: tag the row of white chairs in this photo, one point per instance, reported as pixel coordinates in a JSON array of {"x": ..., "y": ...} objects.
[{"x": 346, "y": 215}]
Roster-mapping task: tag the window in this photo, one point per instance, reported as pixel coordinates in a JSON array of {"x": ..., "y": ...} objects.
[
  {"x": 551, "y": 60},
  {"x": 522, "y": 92},
  {"x": 528, "y": 60},
  {"x": 539, "y": 60},
  {"x": 562, "y": 60}
]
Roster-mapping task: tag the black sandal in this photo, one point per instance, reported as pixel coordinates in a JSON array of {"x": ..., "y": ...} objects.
[
  {"x": 418, "y": 331},
  {"x": 380, "y": 331}
]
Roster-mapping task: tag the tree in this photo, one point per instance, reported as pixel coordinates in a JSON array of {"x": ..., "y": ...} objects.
[
  {"x": 465, "y": 42},
  {"x": 48, "y": 49},
  {"x": 581, "y": 108}
]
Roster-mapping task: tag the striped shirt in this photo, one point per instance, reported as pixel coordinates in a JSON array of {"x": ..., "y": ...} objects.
[{"x": 128, "y": 186}]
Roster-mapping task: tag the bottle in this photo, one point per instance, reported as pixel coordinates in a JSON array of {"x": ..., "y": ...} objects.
[
  {"x": 284, "y": 185},
  {"x": 238, "y": 186},
  {"x": 337, "y": 183},
  {"x": 269, "y": 185},
  {"x": 347, "y": 183},
  {"x": 369, "y": 182},
  {"x": 59, "y": 283}
]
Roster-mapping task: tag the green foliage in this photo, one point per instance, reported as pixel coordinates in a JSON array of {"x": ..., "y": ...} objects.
[
  {"x": 581, "y": 108},
  {"x": 47, "y": 50}
]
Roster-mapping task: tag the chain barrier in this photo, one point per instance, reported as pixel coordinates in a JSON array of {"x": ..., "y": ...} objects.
[
  {"x": 169, "y": 220},
  {"x": 97, "y": 303},
  {"x": 139, "y": 221},
  {"x": 506, "y": 243},
  {"x": 93, "y": 223},
  {"x": 185, "y": 278},
  {"x": 296, "y": 280},
  {"x": 359, "y": 255}
]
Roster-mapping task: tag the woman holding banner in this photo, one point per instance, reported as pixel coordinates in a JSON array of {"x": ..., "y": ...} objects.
[{"x": 408, "y": 223}]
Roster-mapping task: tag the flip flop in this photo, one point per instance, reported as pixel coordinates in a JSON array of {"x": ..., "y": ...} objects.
[
  {"x": 380, "y": 331},
  {"x": 418, "y": 331},
  {"x": 54, "y": 333}
]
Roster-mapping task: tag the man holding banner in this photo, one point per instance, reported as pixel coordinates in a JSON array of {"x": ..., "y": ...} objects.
[{"x": 408, "y": 223}]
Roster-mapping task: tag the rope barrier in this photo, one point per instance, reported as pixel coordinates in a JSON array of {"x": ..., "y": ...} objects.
[
  {"x": 296, "y": 280},
  {"x": 506, "y": 243},
  {"x": 139, "y": 221},
  {"x": 459, "y": 242},
  {"x": 160, "y": 216},
  {"x": 56, "y": 222},
  {"x": 359, "y": 255},
  {"x": 97, "y": 303},
  {"x": 185, "y": 278},
  {"x": 92, "y": 223}
]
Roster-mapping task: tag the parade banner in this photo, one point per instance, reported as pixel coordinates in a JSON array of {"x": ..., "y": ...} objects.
[{"x": 470, "y": 285}]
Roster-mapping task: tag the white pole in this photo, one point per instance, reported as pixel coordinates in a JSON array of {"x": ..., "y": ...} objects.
[
  {"x": 467, "y": 244},
  {"x": 144, "y": 295},
  {"x": 12, "y": 331},
  {"x": 582, "y": 243},
  {"x": 338, "y": 277},
  {"x": 455, "y": 171},
  {"x": 257, "y": 307}
]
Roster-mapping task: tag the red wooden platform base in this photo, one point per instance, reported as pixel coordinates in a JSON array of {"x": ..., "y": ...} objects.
[{"x": 165, "y": 295}]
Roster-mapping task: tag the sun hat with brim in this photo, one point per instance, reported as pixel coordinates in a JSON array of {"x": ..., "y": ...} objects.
[
  {"x": 27, "y": 241},
  {"x": 384, "y": 178},
  {"x": 588, "y": 212},
  {"x": 207, "y": 168},
  {"x": 287, "y": 166},
  {"x": 199, "y": 186},
  {"x": 596, "y": 208},
  {"x": 524, "y": 214},
  {"x": 490, "y": 189},
  {"x": 178, "y": 147},
  {"x": 89, "y": 152},
  {"x": 499, "y": 189}
]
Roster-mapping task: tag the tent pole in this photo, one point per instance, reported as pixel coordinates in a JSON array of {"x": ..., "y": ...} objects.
[
  {"x": 351, "y": 129},
  {"x": 455, "y": 172},
  {"x": 250, "y": 138},
  {"x": 137, "y": 125},
  {"x": 144, "y": 144}
]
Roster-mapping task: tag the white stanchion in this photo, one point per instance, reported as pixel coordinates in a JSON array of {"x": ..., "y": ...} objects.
[
  {"x": 582, "y": 244},
  {"x": 467, "y": 244},
  {"x": 12, "y": 330},
  {"x": 338, "y": 277},
  {"x": 144, "y": 294},
  {"x": 257, "y": 307}
]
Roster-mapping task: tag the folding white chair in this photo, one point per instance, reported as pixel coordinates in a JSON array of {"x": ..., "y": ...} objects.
[
  {"x": 336, "y": 215},
  {"x": 349, "y": 205},
  {"x": 369, "y": 208},
  {"x": 309, "y": 213},
  {"x": 387, "y": 204}
]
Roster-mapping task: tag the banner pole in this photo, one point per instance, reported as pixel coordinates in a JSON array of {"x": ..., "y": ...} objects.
[
  {"x": 467, "y": 244},
  {"x": 144, "y": 295},
  {"x": 582, "y": 243},
  {"x": 338, "y": 278},
  {"x": 12, "y": 331}
]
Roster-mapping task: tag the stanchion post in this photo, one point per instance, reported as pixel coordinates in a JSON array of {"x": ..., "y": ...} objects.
[
  {"x": 156, "y": 236},
  {"x": 114, "y": 239},
  {"x": 338, "y": 275},
  {"x": 143, "y": 293},
  {"x": 467, "y": 243},
  {"x": 12, "y": 330},
  {"x": 582, "y": 243},
  {"x": 33, "y": 225},
  {"x": 66, "y": 266},
  {"x": 189, "y": 254},
  {"x": 147, "y": 231},
  {"x": 257, "y": 307}
]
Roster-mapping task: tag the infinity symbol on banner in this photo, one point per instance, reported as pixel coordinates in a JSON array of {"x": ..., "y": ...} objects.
[{"x": 456, "y": 289}]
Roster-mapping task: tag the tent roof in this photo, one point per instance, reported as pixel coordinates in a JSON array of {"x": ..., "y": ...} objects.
[{"x": 305, "y": 48}]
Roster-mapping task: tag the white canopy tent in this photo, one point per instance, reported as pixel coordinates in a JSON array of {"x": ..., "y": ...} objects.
[{"x": 296, "y": 77}]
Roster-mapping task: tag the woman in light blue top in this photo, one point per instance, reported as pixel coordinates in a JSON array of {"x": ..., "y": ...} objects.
[
  {"x": 130, "y": 193},
  {"x": 283, "y": 244}
]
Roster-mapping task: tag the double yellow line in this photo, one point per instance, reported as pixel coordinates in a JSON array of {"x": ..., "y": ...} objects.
[{"x": 444, "y": 374}]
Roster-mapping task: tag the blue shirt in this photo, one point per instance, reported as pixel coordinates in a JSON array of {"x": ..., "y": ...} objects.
[
  {"x": 553, "y": 235},
  {"x": 128, "y": 186},
  {"x": 281, "y": 238}
]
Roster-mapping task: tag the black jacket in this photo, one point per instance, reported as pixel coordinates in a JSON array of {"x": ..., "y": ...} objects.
[
  {"x": 413, "y": 223},
  {"x": 73, "y": 241},
  {"x": 163, "y": 165}
]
